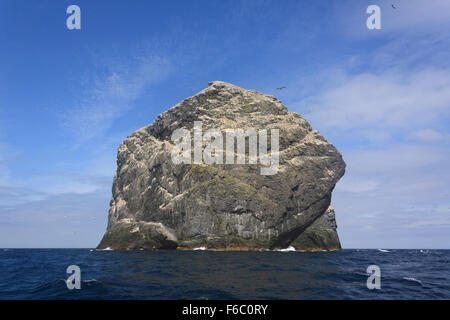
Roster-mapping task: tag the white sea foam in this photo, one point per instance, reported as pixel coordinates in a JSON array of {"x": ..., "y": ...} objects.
[
  {"x": 200, "y": 248},
  {"x": 290, "y": 248},
  {"x": 412, "y": 279},
  {"x": 90, "y": 280},
  {"x": 383, "y": 250}
]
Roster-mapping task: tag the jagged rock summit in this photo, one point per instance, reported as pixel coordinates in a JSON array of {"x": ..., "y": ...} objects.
[{"x": 157, "y": 204}]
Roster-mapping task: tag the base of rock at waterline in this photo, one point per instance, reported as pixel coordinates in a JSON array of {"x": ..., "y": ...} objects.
[
  {"x": 228, "y": 248},
  {"x": 321, "y": 235}
]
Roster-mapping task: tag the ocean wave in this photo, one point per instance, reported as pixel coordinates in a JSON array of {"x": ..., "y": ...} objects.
[
  {"x": 383, "y": 250},
  {"x": 408, "y": 274},
  {"x": 43, "y": 287},
  {"x": 200, "y": 248},
  {"x": 90, "y": 280},
  {"x": 412, "y": 279}
]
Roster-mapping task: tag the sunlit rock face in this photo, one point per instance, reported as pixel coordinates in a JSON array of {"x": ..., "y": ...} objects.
[{"x": 158, "y": 204}]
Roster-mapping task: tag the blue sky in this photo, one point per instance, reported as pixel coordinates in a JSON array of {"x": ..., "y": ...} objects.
[{"x": 69, "y": 97}]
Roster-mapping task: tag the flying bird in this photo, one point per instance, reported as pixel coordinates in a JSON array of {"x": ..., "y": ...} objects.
[
  {"x": 281, "y": 88},
  {"x": 393, "y": 6}
]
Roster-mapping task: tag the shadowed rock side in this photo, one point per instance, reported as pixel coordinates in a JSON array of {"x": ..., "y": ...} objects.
[
  {"x": 157, "y": 204},
  {"x": 321, "y": 235}
]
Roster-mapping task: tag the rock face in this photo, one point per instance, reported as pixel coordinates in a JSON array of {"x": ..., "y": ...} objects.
[{"x": 157, "y": 204}]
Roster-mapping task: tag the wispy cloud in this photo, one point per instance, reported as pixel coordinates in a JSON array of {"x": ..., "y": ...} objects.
[
  {"x": 388, "y": 112},
  {"x": 71, "y": 177},
  {"x": 4, "y": 173},
  {"x": 110, "y": 92},
  {"x": 429, "y": 223},
  {"x": 74, "y": 220},
  {"x": 106, "y": 93},
  {"x": 388, "y": 102},
  {"x": 429, "y": 135}
]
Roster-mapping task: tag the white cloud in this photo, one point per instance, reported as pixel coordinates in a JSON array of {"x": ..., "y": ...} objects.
[
  {"x": 66, "y": 220},
  {"x": 108, "y": 95},
  {"x": 388, "y": 101},
  {"x": 357, "y": 185},
  {"x": 10, "y": 195},
  {"x": 395, "y": 159},
  {"x": 4, "y": 171},
  {"x": 408, "y": 175},
  {"x": 429, "y": 135},
  {"x": 388, "y": 195},
  {"x": 41, "y": 187},
  {"x": 61, "y": 184},
  {"x": 429, "y": 223},
  {"x": 391, "y": 125},
  {"x": 76, "y": 178}
]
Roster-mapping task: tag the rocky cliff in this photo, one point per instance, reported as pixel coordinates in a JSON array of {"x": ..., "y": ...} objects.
[{"x": 158, "y": 204}]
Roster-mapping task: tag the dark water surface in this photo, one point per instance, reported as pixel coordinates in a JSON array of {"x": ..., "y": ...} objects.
[{"x": 405, "y": 274}]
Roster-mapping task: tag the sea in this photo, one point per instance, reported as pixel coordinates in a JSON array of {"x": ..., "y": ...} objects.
[{"x": 207, "y": 275}]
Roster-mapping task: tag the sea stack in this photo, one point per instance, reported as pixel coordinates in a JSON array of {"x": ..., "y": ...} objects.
[{"x": 160, "y": 204}]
